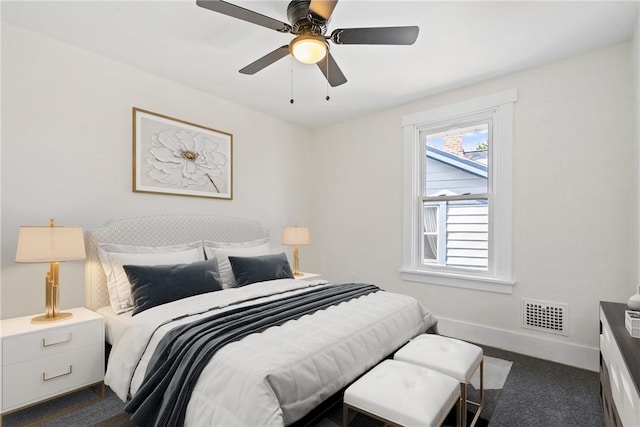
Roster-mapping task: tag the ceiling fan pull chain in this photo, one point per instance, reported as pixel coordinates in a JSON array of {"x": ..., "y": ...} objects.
[
  {"x": 327, "y": 79},
  {"x": 291, "y": 68}
]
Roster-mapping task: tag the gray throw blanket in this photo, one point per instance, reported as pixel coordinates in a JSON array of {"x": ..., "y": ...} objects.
[{"x": 184, "y": 351}]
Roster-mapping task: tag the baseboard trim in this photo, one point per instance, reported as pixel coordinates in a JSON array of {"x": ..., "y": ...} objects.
[{"x": 543, "y": 348}]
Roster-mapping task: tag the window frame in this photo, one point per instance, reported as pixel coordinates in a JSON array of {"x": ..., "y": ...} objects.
[{"x": 498, "y": 277}]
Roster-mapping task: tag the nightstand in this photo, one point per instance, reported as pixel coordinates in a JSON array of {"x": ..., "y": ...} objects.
[
  {"x": 307, "y": 276},
  {"x": 45, "y": 360}
]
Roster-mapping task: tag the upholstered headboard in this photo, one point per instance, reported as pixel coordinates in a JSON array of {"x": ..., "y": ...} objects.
[{"x": 160, "y": 230}]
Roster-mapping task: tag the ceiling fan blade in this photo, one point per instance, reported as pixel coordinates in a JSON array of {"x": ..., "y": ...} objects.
[
  {"x": 378, "y": 35},
  {"x": 334, "y": 74},
  {"x": 244, "y": 14},
  {"x": 322, "y": 9},
  {"x": 266, "y": 60}
]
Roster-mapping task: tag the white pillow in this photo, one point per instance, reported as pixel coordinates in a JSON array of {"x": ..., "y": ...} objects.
[
  {"x": 114, "y": 257},
  {"x": 222, "y": 252}
]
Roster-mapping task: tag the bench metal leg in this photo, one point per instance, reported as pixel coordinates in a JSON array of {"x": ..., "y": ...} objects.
[
  {"x": 479, "y": 404},
  {"x": 345, "y": 415}
]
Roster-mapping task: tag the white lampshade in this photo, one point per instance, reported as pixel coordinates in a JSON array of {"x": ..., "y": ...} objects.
[
  {"x": 308, "y": 49},
  {"x": 50, "y": 244},
  {"x": 295, "y": 235}
]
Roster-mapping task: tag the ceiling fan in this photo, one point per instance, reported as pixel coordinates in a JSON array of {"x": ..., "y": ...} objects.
[{"x": 308, "y": 22}]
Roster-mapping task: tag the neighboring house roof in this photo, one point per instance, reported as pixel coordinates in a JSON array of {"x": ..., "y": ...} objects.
[
  {"x": 476, "y": 166},
  {"x": 480, "y": 156}
]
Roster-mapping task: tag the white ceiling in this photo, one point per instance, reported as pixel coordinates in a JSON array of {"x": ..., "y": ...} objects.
[{"x": 460, "y": 42}]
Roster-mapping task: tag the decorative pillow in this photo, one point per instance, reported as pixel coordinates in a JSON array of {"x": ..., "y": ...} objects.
[
  {"x": 113, "y": 257},
  {"x": 152, "y": 285},
  {"x": 248, "y": 270},
  {"x": 222, "y": 254}
]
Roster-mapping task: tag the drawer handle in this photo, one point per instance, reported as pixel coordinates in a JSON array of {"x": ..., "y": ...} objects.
[
  {"x": 44, "y": 376},
  {"x": 44, "y": 343}
]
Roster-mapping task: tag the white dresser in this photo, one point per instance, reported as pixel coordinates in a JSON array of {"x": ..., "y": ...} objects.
[
  {"x": 42, "y": 361},
  {"x": 619, "y": 368}
]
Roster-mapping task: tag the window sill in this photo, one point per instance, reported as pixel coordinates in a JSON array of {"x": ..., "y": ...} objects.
[{"x": 486, "y": 284}]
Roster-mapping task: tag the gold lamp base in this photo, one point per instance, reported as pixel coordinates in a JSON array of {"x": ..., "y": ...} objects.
[
  {"x": 296, "y": 262},
  {"x": 45, "y": 319},
  {"x": 52, "y": 297}
]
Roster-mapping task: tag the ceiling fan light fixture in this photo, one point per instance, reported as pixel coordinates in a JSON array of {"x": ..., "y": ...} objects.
[{"x": 309, "y": 49}]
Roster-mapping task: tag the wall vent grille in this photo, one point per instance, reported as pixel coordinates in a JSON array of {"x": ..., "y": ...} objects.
[{"x": 545, "y": 316}]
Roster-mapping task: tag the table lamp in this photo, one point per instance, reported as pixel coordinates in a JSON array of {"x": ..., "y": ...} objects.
[
  {"x": 295, "y": 236},
  {"x": 51, "y": 244}
]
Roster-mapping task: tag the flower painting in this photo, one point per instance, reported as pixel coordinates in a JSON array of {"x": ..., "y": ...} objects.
[{"x": 172, "y": 156}]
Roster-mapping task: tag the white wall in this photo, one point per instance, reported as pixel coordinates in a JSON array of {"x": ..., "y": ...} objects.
[
  {"x": 66, "y": 154},
  {"x": 635, "y": 57},
  {"x": 575, "y": 195}
]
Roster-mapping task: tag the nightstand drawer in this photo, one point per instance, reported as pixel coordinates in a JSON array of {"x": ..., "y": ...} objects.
[
  {"x": 50, "y": 341},
  {"x": 37, "y": 379}
]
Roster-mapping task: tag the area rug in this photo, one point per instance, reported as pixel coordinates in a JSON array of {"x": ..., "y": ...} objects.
[{"x": 496, "y": 372}]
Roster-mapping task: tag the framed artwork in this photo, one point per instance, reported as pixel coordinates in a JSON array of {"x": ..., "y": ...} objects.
[{"x": 172, "y": 156}]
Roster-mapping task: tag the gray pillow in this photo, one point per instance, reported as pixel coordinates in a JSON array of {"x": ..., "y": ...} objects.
[
  {"x": 248, "y": 270},
  {"x": 152, "y": 285}
]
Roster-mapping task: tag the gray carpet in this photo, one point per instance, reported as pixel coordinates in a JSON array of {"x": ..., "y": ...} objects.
[
  {"x": 541, "y": 393},
  {"x": 89, "y": 415},
  {"x": 536, "y": 393}
]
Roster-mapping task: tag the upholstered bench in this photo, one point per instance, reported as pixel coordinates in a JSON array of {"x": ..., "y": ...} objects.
[
  {"x": 402, "y": 394},
  {"x": 449, "y": 356}
]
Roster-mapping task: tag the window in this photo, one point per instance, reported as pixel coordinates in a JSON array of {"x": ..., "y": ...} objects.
[
  {"x": 455, "y": 168},
  {"x": 457, "y": 203}
]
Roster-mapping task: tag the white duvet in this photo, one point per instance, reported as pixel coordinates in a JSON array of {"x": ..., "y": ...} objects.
[{"x": 275, "y": 377}]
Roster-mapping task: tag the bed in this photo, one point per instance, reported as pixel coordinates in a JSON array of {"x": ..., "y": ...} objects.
[{"x": 273, "y": 375}]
